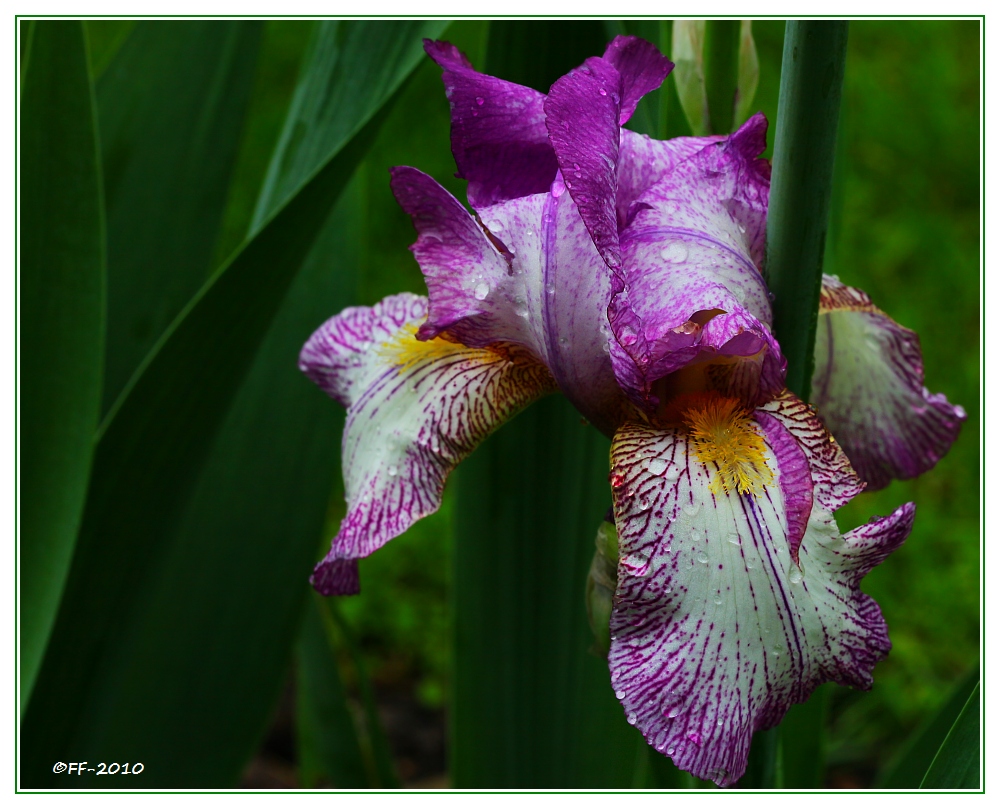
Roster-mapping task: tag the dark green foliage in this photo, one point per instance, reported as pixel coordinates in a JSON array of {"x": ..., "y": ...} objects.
[
  {"x": 171, "y": 106},
  {"x": 62, "y": 319},
  {"x": 956, "y": 765}
]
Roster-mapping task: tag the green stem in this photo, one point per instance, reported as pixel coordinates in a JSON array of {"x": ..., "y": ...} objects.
[
  {"x": 812, "y": 73},
  {"x": 722, "y": 48}
]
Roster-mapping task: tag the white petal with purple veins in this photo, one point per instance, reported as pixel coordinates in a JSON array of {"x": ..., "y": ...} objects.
[
  {"x": 415, "y": 409},
  {"x": 716, "y": 631}
]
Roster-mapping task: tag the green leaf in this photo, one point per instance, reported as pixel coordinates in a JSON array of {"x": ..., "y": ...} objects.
[
  {"x": 328, "y": 743},
  {"x": 61, "y": 323},
  {"x": 907, "y": 770},
  {"x": 171, "y": 105},
  {"x": 812, "y": 74},
  {"x": 803, "y": 742},
  {"x": 956, "y": 765},
  {"x": 157, "y": 560},
  {"x": 532, "y": 707}
]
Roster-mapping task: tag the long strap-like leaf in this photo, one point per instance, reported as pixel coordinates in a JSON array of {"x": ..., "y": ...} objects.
[
  {"x": 61, "y": 320},
  {"x": 158, "y": 437}
]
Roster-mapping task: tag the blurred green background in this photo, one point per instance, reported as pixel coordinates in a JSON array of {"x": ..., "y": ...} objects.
[{"x": 905, "y": 227}]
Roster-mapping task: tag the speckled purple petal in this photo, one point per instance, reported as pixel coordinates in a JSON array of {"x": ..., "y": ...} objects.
[
  {"x": 642, "y": 69},
  {"x": 644, "y": 161},
  {"x": 529, "y": 275},
  {"x": 868, "y": 384},
  {"x": 715, "y": 630},
  {"x": 582, "y": 112},
  {"x": 694, "y": 244},
  {"x": 498, "y": 133},
  {"x": 415, "y": 409}
]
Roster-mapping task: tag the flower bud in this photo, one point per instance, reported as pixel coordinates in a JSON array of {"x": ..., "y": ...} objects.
[{"x": 601, "y": 583}]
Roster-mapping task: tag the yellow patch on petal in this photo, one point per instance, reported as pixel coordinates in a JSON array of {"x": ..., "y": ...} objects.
[
  {"x": 404, "y": 350},
  {"x": 721, "y": 432}
]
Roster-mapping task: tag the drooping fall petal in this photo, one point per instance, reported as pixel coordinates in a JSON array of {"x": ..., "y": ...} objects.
[
  {"x": 720, "y": 622},
  {"x": 414, "y": 410},
  {"x": 868, "y": 383}
]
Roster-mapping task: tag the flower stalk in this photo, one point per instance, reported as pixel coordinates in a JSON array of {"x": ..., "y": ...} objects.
[{"x": 812, "y": 74}]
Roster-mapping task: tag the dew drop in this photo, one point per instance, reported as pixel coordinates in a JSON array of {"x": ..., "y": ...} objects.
[
  {"x": 667, "y": 589},
  {"x": 795, "y": 574},
  {"x": 495, "y": 225},
  {"x": 550, "y": 288},
  {"x": 675, "y": 252},
  {"x": 733, "y": 538},
  {"x": 620, "y": 693},
  {"x": 603, "y": 92},
  {"x": 480, "y": 100},
  {"x": 742, "y": 227},
  {"x": 691, "y": 509},
  {"x": 670, "y": 751},
  {"x": 657, "y": 466},
  {"x": 695, "y": 737},
  {"x": 632, "y": 718},
  {"x": 393, "y": 471},
  {"x": 702, "y": 557},
  {"x": 644, "y": 504},
  {"x": 673, "y": 473},
  {"x": 558, "y": 188},
  {"x": 627, "y": 336},
  {"x": 482, "y": 290}
]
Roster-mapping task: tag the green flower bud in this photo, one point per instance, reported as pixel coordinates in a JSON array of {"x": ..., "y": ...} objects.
[{"x": 601, "y": 583}]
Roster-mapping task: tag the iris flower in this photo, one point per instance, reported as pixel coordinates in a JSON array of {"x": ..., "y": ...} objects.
[{"x": 626, "y": 273}]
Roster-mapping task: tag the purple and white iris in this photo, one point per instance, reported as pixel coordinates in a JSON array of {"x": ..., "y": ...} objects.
[{"x": 625, "y": 272}]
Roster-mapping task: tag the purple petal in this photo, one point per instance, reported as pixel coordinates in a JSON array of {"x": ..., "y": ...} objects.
[
  {"x": 642, "y": 69},
  {"x": 582, "y": 113},
  {"x": 498, "y": 133},
  {"x": 336, "y": 577},
  {"x": 459, "y": 262},
  {"x": 868, "y": 383},
  {"x": 716, "y": 631},
  {"x": 644, "y": 161},
  {"x": 415, "y": 409},
  {"x": 694, "y": 244}
]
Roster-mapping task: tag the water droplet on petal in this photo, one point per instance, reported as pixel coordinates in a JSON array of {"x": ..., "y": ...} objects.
[
  {"x": 733, "y": 538},
  {"x": 632, "y": 718},
  {"x": 620, "y": 693},
  {"x": 558, "y": 189},
  {"x": 702, "y": 557},
  {"x": 495, "y": 225},
  {"x": 627, "y": 336},
  {"x": 393, "y": 471},
  {"x": 691, "y": 509},
  {"x": 480, "y": 101},
  {"x": 695, "y": 737},
  {"x": 657, "y": 466},
  {"x": 482, "y": 290},
  {"x": 795, "y": 574},
  {"x": 673, "y": 473},
  {"x": 603, "y": 92},
  {"x": 675, "y": 252}
]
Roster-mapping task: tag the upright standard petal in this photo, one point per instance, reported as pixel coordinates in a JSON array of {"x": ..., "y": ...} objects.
[
  {"x": 585, "y": 110},
  {"x": 736, "y": 593},
  {"x": 414, "y": 410},
  {"x": 690, "y": 288},
  {"x": 498, "y": 133},
  {"x": 868, "y": 384}
]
